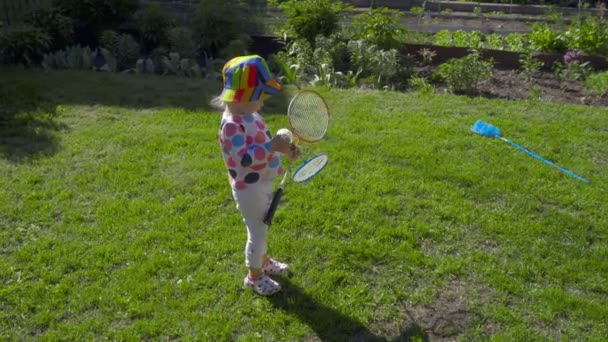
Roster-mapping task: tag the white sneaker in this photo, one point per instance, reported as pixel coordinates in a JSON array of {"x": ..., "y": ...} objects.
[
  {"x": 273, "y": 267},
  {"x": 262, "y": 285}
]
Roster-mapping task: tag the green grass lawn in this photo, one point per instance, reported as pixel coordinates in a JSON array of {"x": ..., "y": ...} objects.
[{"x": 117, "y": 222}]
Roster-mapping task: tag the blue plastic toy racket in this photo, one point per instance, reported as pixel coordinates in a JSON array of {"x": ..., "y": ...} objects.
[{"x": 487, "y": 130}]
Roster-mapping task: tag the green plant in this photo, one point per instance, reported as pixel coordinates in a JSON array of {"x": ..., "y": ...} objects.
[
  {"x": 180, "y": 41},
  {"x": 588, "y": 34},
  {"x": 443, "y": 38},
  {"x": 417, "y": 11},
  {"x": 302, "y": 54},
  {"x": 91, "y": 17},
  {"x": 122, "y": 46},
  {"x": 379, "y": 64},
  {"x": 517, "y": 42},
  {"x": 288, "y": 70},
  {"x": 332, "y": 50},
  {"x": 109, "y": 40},
  {"x": 597, "y": 83},
  {"x": 111, "y": 62},
  {"x": 427, "y": 56},
  {"x": 529, "y": 64},
  {"x": 573, "y": 71},
  {"x": 536, "y": 93},
  {"x": 175, "y": 65},
  {"x": 544, "y": 38},
  {"x": 236, "y": 47},
  {"x": 421, "y": 85},
  {"x": 326, "y": 76},
  {"x": 471, "y": 39},
  {"x": 214, "y": 24},
  {"x": 464, "y": 74},
  {"x": 154, "y": 22},
  {"x": 307, "y": 19},
  {"x": 73, "y": 58},
  {"x": 51, "y": 20},
  {"x": 23, "y": 44},
  {"x": 380, "y": 27},
  {"x": 494, "y": 41},
  {"x": 351, "y": 78}
]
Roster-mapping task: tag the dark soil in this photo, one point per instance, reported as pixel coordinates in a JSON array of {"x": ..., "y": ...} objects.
[{"x": 542, "y": 86}]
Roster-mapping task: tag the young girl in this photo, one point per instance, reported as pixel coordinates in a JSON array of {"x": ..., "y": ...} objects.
[{"x": 252, "y": 157}]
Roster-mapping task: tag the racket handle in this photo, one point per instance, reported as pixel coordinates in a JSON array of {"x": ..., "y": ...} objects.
[{"x": 273, "y": 206}]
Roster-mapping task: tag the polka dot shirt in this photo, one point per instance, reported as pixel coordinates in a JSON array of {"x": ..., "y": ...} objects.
[{"x": 245, "y": 144}]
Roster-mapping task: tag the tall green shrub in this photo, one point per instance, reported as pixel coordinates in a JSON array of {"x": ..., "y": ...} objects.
[
  {"x": 154, "y": 22},
  {"x": 544, "y": 38},
  {"x": 91, "y": 17},
  {"x": 54, "y": 22},
  {"x": 380, "y": 27},
  {"x": 215, "y": 23},
  {"x": 462, "y": 75},
  {"x": 23, "y": 44},
  {"x": 307, "y": 19},
  {"x": 588, "y": 34}
]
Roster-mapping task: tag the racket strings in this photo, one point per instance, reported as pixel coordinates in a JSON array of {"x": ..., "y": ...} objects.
[
  {"x": 309, "y": 117},
  {"x": 310, "y": 168}
]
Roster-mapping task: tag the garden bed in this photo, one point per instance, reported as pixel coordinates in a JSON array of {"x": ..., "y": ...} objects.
[
  {"x": 507, "y": 83},
  {"x": 542, "y": 86}
]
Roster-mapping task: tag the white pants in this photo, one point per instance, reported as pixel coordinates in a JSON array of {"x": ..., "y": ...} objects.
[{"x": 253, "y": 202}]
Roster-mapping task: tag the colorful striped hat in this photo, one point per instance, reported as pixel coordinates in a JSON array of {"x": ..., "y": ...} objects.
[{"x": 247, "y": 79}]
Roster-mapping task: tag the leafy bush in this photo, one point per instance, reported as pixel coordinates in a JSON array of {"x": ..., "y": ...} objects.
[
  {"x": 307, "y": 19},
  {"x": 214, "y": 23},
  {"x": 122, "y": 46},
  {"x": 598, "y": 83},
  {"x": 91, "y": 17},
  {"x": 517, "y": 42},
  {"x": 464, "y": 74},
  {"x": 74, "y": 58},
  {"x": 58, "y": 26},
  {"x": 544, "y": 38},
  {"x": 494, "y": 41},
  {"x": 572, "y": 68},
  {"x": 588, "y": 34},
  {"x": 180, "y": 41},
  {"x": 459, "y": 38},
  {"x": 175, "y": 65},
  {"x": 369, "y": 60},
  {"x": 332, "y": 50},
  {"x": 236, "y": 47},
  {"x": 529, "y": 64},
  {"x": 23, "y": 44},
  {"x": 421, "y": 85},
  {"x": 284, "y": 67},
  {"x": 470, "y": 39},
  {"x": 379, "y": 27},
  {"x": 443, "y": 38},
  {"x": 154, "y": 22}
]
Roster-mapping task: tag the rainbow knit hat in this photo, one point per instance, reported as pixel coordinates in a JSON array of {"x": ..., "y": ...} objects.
[{"x": 247, "y": 79}]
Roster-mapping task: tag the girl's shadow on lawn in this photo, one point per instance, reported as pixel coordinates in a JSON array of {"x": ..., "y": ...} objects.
[{"x": 330, "y": 324}]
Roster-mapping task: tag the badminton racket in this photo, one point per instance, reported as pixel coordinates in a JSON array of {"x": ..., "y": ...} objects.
[{"x": 308, "y": 118}]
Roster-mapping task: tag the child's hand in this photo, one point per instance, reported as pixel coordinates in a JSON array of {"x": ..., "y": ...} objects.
[
  {"x": 281, "y": 143},
  {"x": 294, "y": 152}
]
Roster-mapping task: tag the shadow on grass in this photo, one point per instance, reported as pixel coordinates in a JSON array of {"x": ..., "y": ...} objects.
[
  {"x": 129, "y": 91},
  {"x": 27, "y": 123},
  {"x": 29, "y": 97},
  {"x": 330, "y": 324}
]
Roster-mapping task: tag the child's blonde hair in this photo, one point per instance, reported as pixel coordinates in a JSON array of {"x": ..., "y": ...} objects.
[{"x": 217, "y": 103}]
